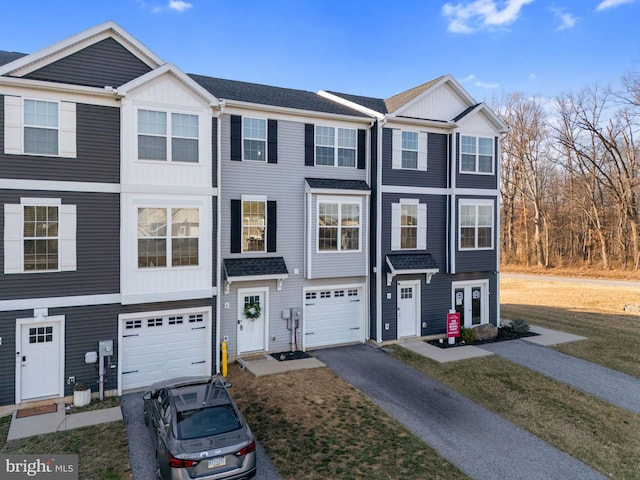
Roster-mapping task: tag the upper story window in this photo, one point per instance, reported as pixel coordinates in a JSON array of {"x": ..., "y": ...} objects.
[
  {"x": 168, "y": 233},
  {"x": 409, "y": 225},
  {"x": 254, "y": 222},
  {"x": 476, "y": 224},
  {"x": 338, "y": 225},
  {"x": 476, "y": 154},
  {"x": 41, "y": 124},
  {"x": 409, "y": 150},
  {"x": 39, "y": 236},
  {"x": 167, "y": 138},
  {"x": 254, "y": 139},
  {"x": 336, "y": 146}
]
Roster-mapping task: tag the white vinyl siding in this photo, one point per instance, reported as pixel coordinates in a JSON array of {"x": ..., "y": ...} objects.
[
  {"x": 400, "y": 221},
  {"x": 14, "y": 238},
  {"x": 404, "y": 148},
  {"x": 21, "y": 131}
]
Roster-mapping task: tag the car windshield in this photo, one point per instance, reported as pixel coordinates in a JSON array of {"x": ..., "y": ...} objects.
[{"x": 204, "y": 422}]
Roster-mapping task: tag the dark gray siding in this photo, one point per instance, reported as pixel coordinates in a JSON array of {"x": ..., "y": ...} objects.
[
  {"x": 434, "y": 177},
  {"x": 214, "y": 245},
  {"x": 106, "y": 63},
  {"x": 97, "y": 249},
  {"x": 470, "y": 180},
  {"x": 477, "y": 260},
  {"x": 98, "y": 151},
  {"x": 8, "y": 354}
]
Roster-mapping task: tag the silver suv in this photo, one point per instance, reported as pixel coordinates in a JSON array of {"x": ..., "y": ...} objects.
[{"x": 198, "y": 431}]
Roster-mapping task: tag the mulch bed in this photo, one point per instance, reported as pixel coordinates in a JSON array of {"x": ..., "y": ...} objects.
[
  {"x": 284, "y": 356},
  {"x": 504, "y": 334}
]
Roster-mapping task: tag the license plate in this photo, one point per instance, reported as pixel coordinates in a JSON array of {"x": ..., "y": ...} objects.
[{"x": 217, "y": 462}]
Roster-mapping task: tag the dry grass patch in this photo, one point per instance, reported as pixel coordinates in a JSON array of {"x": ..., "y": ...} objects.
[
  {"x": 594, "y": 311},
  {"x": 315, "y": 426},
  {"x": 603, "y": 436}
]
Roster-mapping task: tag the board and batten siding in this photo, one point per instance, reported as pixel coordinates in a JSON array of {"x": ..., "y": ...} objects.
[
  {"x": 97, "y": 147},
  {"x": 105, "y": 63},
  {"x": 97, "y": 249}
]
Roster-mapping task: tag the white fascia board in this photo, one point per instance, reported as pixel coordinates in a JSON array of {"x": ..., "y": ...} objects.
[
  {"x": 335, "y": 191},
  {"x": 418, "y": 122},
  {"x": 77, "y": 93},
  {"x": 256, "y": 278},
  {"x": 170, "y": 68},
  {"x": 350, "y": 104},
  {"x": 55, "y": 186},
  {"x": 169, "y": 296},
  {"x": 58, "y": 302},
  {"x": 241, "y": 108},
  {"x": 29, "y": 63},
  {"x": 168, "y": 189}
]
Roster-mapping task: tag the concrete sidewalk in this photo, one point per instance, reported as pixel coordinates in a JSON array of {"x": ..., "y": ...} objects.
[{"x": 59, "y": 421}]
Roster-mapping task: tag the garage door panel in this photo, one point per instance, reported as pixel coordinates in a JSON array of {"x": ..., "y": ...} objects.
[
  {"x": 158, "y": 348},
  {"x": 333, "y": 316}
]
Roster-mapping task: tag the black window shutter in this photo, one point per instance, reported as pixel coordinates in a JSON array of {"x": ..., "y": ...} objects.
[
  {"x": 236, "y": 226},
  {"x": 236, "y": 137},
  {"x": 272, "y": 226},
  {"x": 272, "y": 147},
  {"x": 309, "y": 144},
  {"x": 362, "y": 149}
]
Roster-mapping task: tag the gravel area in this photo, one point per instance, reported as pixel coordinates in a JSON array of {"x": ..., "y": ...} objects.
[
  {"x": 467, "y": 434},
  {"x": 141, "y": 454}
]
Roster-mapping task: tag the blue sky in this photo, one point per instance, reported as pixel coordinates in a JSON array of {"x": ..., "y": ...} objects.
[{"x": 372, "y": 48}]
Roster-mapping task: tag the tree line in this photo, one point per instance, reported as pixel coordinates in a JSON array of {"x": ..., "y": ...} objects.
[{"x": 570, "y": 178}]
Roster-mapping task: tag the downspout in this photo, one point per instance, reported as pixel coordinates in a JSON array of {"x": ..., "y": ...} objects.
[
  {"x": 379, "y": 273},
  {"x": 218, "y": 120},
  {"x": 367, "y": 276},
  {"x": 452, "y": 204}
]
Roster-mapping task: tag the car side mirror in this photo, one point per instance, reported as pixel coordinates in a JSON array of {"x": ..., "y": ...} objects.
[
  {"x": 147, "y": 396},
  {"x": 227, "y": 384}
]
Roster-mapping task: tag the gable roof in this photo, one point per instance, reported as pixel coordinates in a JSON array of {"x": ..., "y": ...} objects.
[
  {"x": 272, "y": 96},
  {"x": 26, "y": 64},
  {"x": 403, "y": 98},
  {"x": 6, "y": 57}
]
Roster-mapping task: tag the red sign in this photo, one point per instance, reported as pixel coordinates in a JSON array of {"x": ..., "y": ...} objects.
[{"x": 453, "y": 324}]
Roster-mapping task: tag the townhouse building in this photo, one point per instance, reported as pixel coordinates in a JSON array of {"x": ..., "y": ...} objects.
[{"x": 167, "y": 212}]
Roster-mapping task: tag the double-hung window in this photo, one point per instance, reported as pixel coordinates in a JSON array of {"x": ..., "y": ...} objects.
[
  {"x": 476, "y": 224},
  {"x": 254, "y": 139},
  {"x": 477, "y": 154},
  {"x": 338, "y": 226},
  {"x": 254, "y": 225},
  {"x": 168, "y": 233},
  {"x": 336, "y": 146},
  {"x": 166, "y": 137},
  {"x": 41, "y": 237},
  {"x": 409, "y": 149},
  {"x": 41, "y": 123},
  {"x": 409, "y": 225}
]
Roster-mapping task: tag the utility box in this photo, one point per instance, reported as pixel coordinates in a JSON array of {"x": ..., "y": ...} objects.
[
  {"x": 296, "y": 315},
  {"x": 105, "y": 347}
]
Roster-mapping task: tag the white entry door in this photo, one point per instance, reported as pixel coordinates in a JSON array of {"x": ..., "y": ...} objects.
[
  {"x": 39, "y": 360},
  {"x": 251, "y": 331},
  {"x": 408, "y": 309}
]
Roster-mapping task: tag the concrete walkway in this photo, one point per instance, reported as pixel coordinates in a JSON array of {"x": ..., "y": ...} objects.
[
  {"x": 609, "y": 385},
  {"x": 479, "y": 442}
]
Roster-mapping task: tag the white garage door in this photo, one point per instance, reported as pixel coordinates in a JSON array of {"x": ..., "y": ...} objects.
[
  {"x": 333, "y": 316},
  {"x": 164, "y": 346}
]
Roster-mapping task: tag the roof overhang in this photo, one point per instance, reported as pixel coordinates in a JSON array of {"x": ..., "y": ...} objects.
[
  {"x": 254, "y": 269},
  {"x": 336, "y": 187},
  {"x": 411, "y": 264}
]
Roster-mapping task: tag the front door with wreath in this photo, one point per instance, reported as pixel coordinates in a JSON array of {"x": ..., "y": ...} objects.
[{"x": 251, "y": 320}]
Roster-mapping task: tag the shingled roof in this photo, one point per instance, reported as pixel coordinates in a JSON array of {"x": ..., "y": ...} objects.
[{"x": 8, "y": 57}]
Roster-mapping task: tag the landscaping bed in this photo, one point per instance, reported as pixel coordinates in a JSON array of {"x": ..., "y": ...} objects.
[{"x": 512, "y": 331}]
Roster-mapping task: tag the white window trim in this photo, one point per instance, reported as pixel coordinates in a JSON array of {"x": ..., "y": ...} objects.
[
  {"x": 340, "y": 201},
  {"x": 14, "y": 235},
  {"x": 476, "y": 203},
  {"x": 14, "y": 127},
  {"x": 168, "y": 237},
  {"x": 169, "y": 135},
  {"x": 266, "y": 139},
  {"x": 396, "y": 150},
  {"x": 253, "y": 198},
  {"x": 477, "y": 155},
  {"x": 336, "y": 147},
  {"x": 396, "y": 227}
]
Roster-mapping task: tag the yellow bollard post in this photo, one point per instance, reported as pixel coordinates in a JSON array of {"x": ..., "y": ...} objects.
[{"x": 224, "y": 359}]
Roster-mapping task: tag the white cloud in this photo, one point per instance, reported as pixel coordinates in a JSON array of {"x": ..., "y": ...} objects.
[
  {"x": 468, "y": 78},
  {"x": 482, "y": 14},
  {"x": 533, "y": 76},
  {"x": 612, "y": 3},
  {"x": 477, "y": 83},
  {"x": 176, "y": 5},
  {"x": 567, "y": 20}
]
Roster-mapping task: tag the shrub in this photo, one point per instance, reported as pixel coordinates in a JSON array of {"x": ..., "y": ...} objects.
[
  {"x": 467, "y": 335},
  {"x": 519, "y": 327}
]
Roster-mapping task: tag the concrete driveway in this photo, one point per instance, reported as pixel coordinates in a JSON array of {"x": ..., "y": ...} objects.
[
  {"x": 142, "y": 456},
  {"x": 479, "y": 442}
]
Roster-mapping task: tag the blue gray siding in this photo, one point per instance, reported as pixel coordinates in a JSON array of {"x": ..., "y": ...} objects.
[
  {"x": 98, "y": 151},
  {"x": 472, "y": 180},
  {"x": 97, "y": 249},
  {"x": 106, "y": 63},
  {"x": 478, "y": 260}
]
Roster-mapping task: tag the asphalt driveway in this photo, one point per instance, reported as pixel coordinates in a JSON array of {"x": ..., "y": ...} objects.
[
  {"x": 142, "y": 456},
  {"x": 468, "y": 435}
]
